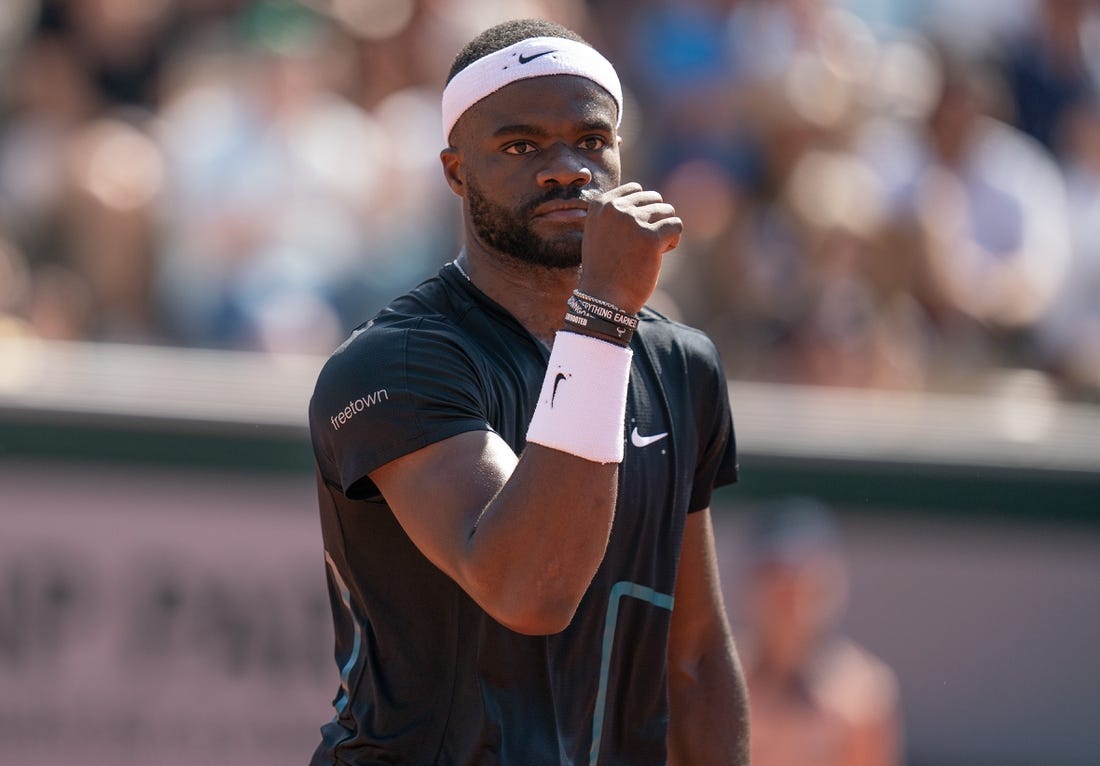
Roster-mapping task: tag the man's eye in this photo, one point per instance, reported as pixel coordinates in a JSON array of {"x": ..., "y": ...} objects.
[
  {"x": 520, "y": 147},
  {"x": 593, "y": 143}
]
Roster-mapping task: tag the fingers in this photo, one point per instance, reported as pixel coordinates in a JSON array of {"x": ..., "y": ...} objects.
[
  {"x": 627, "y": 231},
  {"x": 658, "y": 211},
  {"x": 659, "y": 217},
  {"x": 630, "y": 195},
  {"x": 644, "y": 204},
  {"x": 648, "y": 208},
  {"x": 669, "y": 229},
  {"x": 672, "y": 239},
  {"x": 630, "y": 187},
  {"x": 662, "y": 220}
]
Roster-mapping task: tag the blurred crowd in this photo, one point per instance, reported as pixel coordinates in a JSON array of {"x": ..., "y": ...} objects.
[
  {"x": 818, "y": 696},
  {"x": 877, "y": 193}
]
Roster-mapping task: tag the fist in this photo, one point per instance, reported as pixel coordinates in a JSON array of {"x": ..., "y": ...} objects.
[{"x": 627, "y": 231}]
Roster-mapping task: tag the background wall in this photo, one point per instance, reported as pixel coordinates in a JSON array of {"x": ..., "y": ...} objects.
[{"x": 160, "y": 617}]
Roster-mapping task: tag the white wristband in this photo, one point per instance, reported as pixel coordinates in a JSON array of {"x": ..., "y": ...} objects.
[{"x": 582, "y": 405}]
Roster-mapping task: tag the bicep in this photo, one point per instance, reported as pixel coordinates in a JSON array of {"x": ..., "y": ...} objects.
[{"x": 438, "y": 492}]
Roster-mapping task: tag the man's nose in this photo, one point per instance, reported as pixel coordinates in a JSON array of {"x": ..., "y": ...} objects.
[{"x": 565, "y": 166}]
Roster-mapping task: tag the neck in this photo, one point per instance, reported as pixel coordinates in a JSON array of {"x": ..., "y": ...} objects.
[{"x": 534, "y": 295}]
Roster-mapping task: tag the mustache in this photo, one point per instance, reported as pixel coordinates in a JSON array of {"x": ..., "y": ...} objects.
[{"x": 559, "y": 194}]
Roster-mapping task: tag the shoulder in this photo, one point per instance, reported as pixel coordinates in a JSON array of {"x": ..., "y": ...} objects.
[
  {"x": 668, "y": 336},
  {"x": 420, "y": 324},
  {"x": 380, "y": 344},
  {"x": 401, "y": 381},
  {"x": 676, "y": 347},
  {"x": 416, "y": 345}
]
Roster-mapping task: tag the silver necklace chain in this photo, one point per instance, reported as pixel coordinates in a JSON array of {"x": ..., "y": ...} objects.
[{"x": 461, "y": 270}]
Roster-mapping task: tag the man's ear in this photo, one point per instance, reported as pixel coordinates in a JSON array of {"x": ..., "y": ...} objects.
[{"x": 451, "y": 159}]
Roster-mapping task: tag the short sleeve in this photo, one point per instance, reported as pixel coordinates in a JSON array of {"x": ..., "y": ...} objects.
[
  {"x": 717, "y": 463},
  {"x": 387, "y": 392}
]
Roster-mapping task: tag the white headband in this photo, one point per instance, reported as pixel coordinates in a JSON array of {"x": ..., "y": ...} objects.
[{"x": 534, "y": 57}]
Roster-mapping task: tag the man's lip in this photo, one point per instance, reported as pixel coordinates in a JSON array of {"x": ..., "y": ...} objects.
[{"x": 562, "y": 209}]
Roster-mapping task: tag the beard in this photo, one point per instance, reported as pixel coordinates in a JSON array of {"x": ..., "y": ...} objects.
[{"x": 509, "y": 231}]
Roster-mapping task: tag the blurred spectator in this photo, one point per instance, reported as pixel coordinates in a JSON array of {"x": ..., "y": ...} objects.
[
  {"x": 817, "y": 698},
  {"x": 1069, "y": 331},
  {"x": 270, "y": 177},
  {"x": 1050, "y": 67},
  {"x": 986, "y": 206},
  {"x": 293, "y": 209},
  {"x": 978, "y": 27},
  {"x": 50, "y": 302},
  {"x": 114, "y": 177},
  {"x": 120, "y": 45},
  {"x": 76, "y": 193},
  {"x": 232, "y": 173},
  {"x": 48, "y": 101},
  {"x": 797, "y": 285},
  {"x": 14, "y": 291},
  {"x": 800, "y": 66},
  {"x": 678, "y": 60}
]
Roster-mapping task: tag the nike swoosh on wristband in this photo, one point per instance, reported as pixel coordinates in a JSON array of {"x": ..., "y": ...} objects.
[
  {"x": 557, "y": 379},
  {"x": 644, "y": 441},
  {"x": 527, "y": 59}
]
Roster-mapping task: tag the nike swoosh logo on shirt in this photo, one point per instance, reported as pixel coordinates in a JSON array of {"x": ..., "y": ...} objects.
[
  {"x": 526, "y": 59},
  {"x": 644, "y": 441}
]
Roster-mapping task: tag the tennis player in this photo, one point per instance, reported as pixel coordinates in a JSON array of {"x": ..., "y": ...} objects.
[{"x": 515, "y": 460}]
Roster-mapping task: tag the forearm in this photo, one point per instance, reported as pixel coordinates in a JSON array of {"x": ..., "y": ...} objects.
[
  {"x": 709, "y": 711},
  {"x": 534, "y": 550},
  {"x": 543, "y": 535}
]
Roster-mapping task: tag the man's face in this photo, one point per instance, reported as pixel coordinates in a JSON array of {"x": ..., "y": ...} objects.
[
  {"x": 512, "y": 231},
  {"x": 532, "y": 152}
]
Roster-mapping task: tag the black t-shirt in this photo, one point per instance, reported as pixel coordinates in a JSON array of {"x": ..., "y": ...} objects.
[{"x": 427, "y": 677}]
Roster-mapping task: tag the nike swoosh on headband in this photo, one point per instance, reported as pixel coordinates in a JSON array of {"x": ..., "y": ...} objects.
[{"x": 525, "y": 59}]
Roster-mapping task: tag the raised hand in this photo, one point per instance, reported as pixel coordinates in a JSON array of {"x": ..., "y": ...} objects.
[{"x": 627, "y": 232}]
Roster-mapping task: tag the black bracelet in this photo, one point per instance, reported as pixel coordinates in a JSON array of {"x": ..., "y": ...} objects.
[
  {"x": 592, "y": 299},
  {"x": 604, "y": 311},
  {"x": 598, "y": 328},
  {"x": 599, "y": 319}
]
